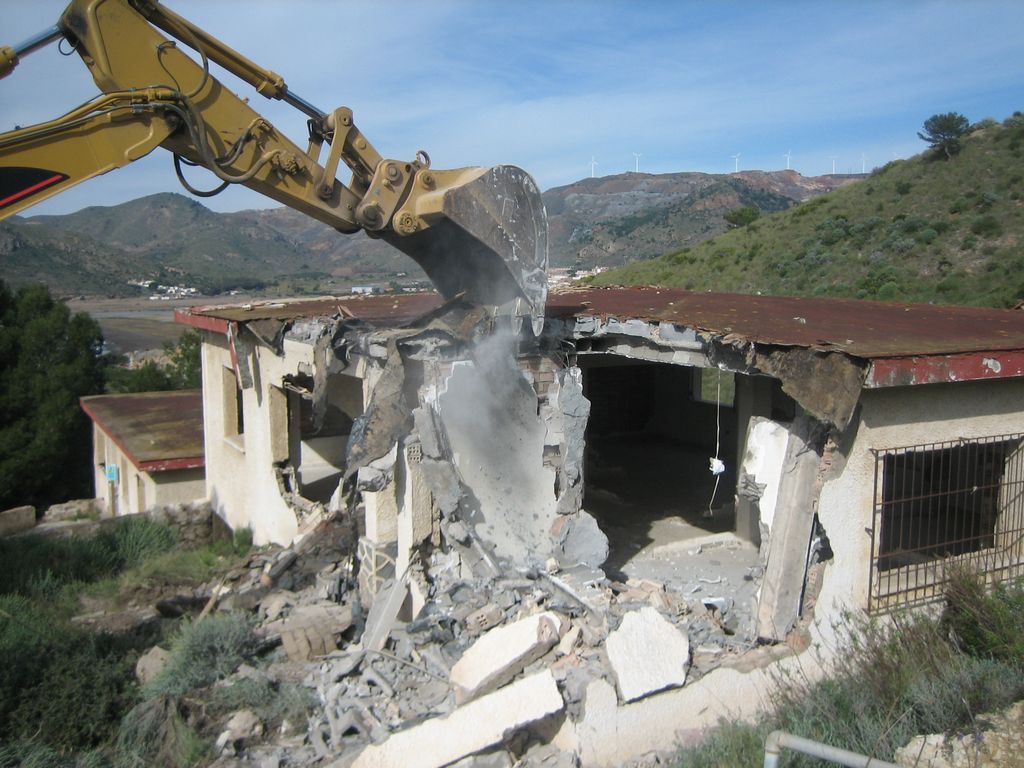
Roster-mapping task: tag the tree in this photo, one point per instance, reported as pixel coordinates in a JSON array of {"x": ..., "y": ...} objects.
[
  {"x": 48, "y": 359},
  {"x": 183, "y": 369},
  {"x": 943, "y": 133},
  {"x": 743, "y": 216},
  {"x": 186, "y": 367}
]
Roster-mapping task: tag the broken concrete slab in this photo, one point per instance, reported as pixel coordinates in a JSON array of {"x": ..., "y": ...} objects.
[
  {"x": 647, "y": 654},
  {"x": 502, "y": 653},
  {"x": 469, "y": 729}
]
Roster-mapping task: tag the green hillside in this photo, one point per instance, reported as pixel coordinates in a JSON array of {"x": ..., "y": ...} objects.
[{"x": 917, "y": 230}]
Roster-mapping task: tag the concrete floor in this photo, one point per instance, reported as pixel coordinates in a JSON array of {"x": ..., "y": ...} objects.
[{"x": 650, "y": 496}]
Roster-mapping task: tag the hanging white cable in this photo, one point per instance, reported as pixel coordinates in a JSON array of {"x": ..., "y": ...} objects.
[{"x": 717, "y": 467}]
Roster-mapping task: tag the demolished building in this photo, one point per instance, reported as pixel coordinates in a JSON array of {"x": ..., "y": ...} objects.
[{"x": 714, "y": 476}]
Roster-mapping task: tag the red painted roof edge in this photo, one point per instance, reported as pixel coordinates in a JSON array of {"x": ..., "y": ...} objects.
[
  {"x": 159, "y": 465},
  {"x": 934, "y": 369},
  {"x": 166, "y": 465},
  {"x": 202, "y": 322}
]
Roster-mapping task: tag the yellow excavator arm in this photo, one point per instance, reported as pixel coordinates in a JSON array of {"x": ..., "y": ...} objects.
[{"x": 477, "y": 232}]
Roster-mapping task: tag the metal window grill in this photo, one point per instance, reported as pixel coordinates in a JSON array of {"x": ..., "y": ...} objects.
[{"x": 944, "y": 507}]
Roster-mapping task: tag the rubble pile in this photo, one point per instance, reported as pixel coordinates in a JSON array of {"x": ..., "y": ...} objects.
[{"x": 492, "y": 671}]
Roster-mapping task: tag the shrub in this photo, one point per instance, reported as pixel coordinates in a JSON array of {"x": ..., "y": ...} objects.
[
  {"x": 154, "y": 734},
  {"x": 742, "y": 216},
  {"x": 986, "y": 624},
  {"x": 204, "y": 652},
  {"x": 987, "y": 226}
]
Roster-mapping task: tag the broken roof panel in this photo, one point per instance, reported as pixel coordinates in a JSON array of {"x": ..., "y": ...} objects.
[{"x": 157, "y": 431}]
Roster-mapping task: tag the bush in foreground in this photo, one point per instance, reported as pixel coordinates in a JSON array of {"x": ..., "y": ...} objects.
[{"x": 892, "y": 680}]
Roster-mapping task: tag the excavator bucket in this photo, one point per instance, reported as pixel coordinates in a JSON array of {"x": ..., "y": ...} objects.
[{"x": 487, "y": 239}]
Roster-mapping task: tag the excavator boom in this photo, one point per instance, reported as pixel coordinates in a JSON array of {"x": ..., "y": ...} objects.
[{"x": 480, "y": 233}]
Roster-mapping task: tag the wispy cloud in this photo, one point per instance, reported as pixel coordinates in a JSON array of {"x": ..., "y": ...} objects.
[{"x": 548, "y": 85}]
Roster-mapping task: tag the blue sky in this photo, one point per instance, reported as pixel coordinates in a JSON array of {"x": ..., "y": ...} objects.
[{"x": 551, "y": 85}]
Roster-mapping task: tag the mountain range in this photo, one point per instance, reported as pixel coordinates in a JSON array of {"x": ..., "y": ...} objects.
[{"x": 172, "y": 239}]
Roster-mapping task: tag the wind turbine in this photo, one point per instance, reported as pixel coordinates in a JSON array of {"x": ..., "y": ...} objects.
[
  {"x": 863, "y": 163},
  {"x": 593, "y": 164},
  {"x": 833, "y": 159},
  {"x": 788, "y": 155},
  {"x": 636, "y": 157},
  {"x": 736, "y": 160}
]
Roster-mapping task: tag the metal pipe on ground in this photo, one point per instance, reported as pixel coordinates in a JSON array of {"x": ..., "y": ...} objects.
[{"x": 779, "y": 740}]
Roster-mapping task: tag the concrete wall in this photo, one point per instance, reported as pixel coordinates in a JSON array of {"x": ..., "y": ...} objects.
[
  {"x": 240, "y": 480},
  {"x": 137, "y": 491},
  {"x": 891, "y": 418}
]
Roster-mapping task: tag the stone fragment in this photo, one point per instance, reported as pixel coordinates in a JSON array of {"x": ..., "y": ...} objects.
[
  {"x": 151, "y": 664},
  {"x": 469, "y": 729},
  {"x": 568, "y": 642},
  {"x": 16, "y": 520},
  {"x": 647, "y": 654},
  {"x": 502, "y": 653}
]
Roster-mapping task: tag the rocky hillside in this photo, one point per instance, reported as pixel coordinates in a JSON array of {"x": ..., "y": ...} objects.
[
  {"x": 924, "y": 229},
  {"x": 173, "y": 239},
  {"x": 615, "y": 220}
]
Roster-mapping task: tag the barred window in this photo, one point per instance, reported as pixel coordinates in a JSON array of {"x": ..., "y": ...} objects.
[{"x": 941, "y": 506}]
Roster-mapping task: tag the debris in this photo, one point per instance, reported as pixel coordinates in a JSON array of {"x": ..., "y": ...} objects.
[
  {"x": 504, "y": 652},
  {"x": 241, "y": 728},
  {"x": 470, "y": 728},
  {"x": 383, "y": 613},
  {"x": 272, "y": 570},
  {"x": 483, "y": 619},
  {"x": 581, "y": 540},
  {"x": 568, "y": 641},
  {"x": 311, "y": 630},
  {"x": 647, "y": 654}
]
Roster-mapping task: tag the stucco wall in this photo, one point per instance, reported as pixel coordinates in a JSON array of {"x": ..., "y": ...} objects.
[
  {"x": 240, "y": 480},
  {"x": 891, "y": 418},
  {"x": 179, "y": 486},
  {"x": 137, "y": 491}
]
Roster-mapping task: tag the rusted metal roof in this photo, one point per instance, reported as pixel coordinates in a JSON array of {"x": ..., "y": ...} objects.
[
  {"x": 157, "y": 431},
  {"x": 865, "y": 329},
  {"x": 392, "y": 309}
]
